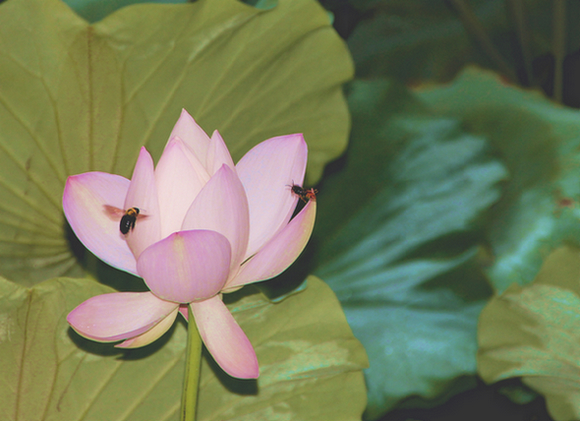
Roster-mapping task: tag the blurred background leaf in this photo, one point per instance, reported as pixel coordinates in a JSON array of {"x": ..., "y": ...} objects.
[
  {"x": 422, "y": 43},
  {"x": 529, "y": 42},
  {"x": 397, "y": 240},
  {"x": 533, "y": 333},
  {"x": 416, "y": 40},
  {"x": 539, "y": 143},
  {"x": 441, "y": 190}
]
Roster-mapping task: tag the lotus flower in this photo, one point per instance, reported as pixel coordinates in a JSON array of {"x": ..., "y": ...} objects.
[{"x": 205, "y": 226}]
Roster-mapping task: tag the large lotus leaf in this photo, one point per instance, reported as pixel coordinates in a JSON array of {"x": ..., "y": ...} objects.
[
  {"x": 76, "y": 97},
  {"x": 308, "y": 370},
  {"x": 533, "y": 332},
  {"x": 397, "y": 241},
  {"x": 539, "y": 142}
]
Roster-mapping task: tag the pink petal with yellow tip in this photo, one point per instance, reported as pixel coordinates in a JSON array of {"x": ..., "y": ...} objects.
[
  {"x": 225, "y": 340},
  {"x": 267, "y": 172},
  {"x": 87, "y": 202},
  {"x": 119, "y": 315},
  {"x": 186, "y": 266},
  {"x": 152, "y": 334},
  {"x": 280, "y": 252}
]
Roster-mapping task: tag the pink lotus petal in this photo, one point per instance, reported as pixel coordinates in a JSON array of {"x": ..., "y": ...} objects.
[
  {"x": 225, "y": 340},
  {"x": 177, "y": 186},
  {"x": 152, "y": 334},
  {"x": 222, "y": 206},
  {"x": 183, "y": 309},
  {"x": 267, "y": 171},
  {"x": 119, "y": 315},
  {"x": 142, "y": 194},
  {"x": 84, "y": 201},
  {"x": 198, "y": 167},
  {"x": 218, "y": 154},
  {"x": 193, "y": 136},
  {"x": 280, "y": 251},
  {"x": 186, "y": 266}
]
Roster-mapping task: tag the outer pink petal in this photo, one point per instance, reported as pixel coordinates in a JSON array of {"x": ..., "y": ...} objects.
[
  {"x": 177, "y": 186},
  {"x": 267, "y": 171},
  {"x": 142, "y": 194},
  {"x": 186, "y": 266},
  {"x": 195, "y": 137},
  {"x": 218, "y": 154},
  {"x": 280, "y": 251},
  {"x": 120, "y": 315},
  {"x": 222, "y": 206},
  {"x": 152, "y": 334},
  {"x": 84, "y": 199},
  {"x": 225, "y": 339}
]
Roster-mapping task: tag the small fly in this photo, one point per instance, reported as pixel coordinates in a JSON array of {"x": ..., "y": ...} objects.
[
  {"x": 128, "y": 217},
  {"x": 304, "y": 194}
]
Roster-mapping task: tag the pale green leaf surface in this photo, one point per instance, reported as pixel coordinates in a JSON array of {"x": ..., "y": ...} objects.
[
  {"x": 539, "y": 142},
  {"x": 310, "y": 363},
  {"x": 533, "y": 332},
  {"x": 76, "y": 97},
  {"x": 397, "y": 239},
  {"x": 49, "y": 373}
]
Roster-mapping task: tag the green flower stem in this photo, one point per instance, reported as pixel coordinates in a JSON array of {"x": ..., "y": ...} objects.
[{"x": 192, "y": 369}]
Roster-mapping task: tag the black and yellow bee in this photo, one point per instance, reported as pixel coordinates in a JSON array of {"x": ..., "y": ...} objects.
[{"x": 128, "y": 217}]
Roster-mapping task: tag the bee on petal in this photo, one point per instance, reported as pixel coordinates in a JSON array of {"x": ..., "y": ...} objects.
[
  {"x": 304, "y": 194},
  {"x": 128, "y": 217}
]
